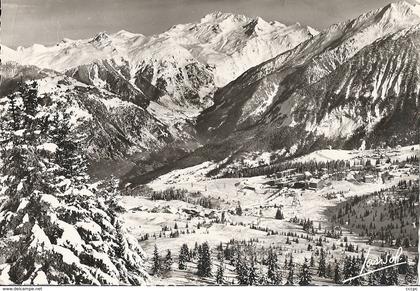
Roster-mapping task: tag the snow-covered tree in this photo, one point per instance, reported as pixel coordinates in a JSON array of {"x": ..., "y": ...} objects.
[
  {"x": 183, "y": 257},
  {"x": 337, "y": 275},
  {"x": 167, "y": 262},
  {"x": 241, "y": 269},
  {"x": 305, "y": 277},
  {"x": 312, "y": 262},
  {"x": 279, "y": 214},
  {"x": 321, "y": 265},
  {"x": 291, "y": 275},
  {"x": 204, "y": 261},
  {"x": 262, "y": 277},
  {"x": 239, "y": 209},
  {"x": 220, "y": 274},
  {"x": 157, "y": 262},
  {"x": 273, "y": 270},
  {"x": 57, "y": 229},
  {"x": 252, "y": 272}
]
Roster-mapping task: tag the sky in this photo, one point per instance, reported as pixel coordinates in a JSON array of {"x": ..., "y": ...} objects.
[{"x": 25, "y": 22}]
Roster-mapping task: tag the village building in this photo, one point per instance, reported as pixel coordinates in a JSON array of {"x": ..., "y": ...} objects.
[
  {"x": 369, "y": 179},
  {"x": 314, "y": 184}
]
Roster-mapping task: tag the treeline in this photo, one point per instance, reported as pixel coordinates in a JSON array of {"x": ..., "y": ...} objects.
[
  {"x": 195, "y": 198},
  {"x": 330, "y": 167},
  {"x": 262, "y": 266},
  {"x": 390, "y": 216}
]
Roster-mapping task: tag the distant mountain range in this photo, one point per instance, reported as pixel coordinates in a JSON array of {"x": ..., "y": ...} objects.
[
  {"x": 230, "y": 84},
  {"x": 348, "y": 83}
]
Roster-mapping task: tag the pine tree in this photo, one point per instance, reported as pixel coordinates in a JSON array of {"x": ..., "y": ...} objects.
[
  {"x": 347, "y": 269},
  {"x": 279, "y": 214},
  {"x": 67, "y": 156},
  {"x": 157, "y": 262},
  {"x": 337, "y": 276},
  {"x": 392, "y": 276},
  {"x": 290, "y": 277},
  {"x": 239, "y": 210},
  {"x": 305, "y": 277},
  {"x": 183, "y": 257},
  {"x": 355, "y": 271},
  {"x": 321, "y": 265},
  {"x": 168, "y": 261},
  {"x": 383, "y": 280},
  {"x": 59, "y": 230},
  {"x": 410, "y": 277},
  {"x": 262, "y": 277},
  {"x": 273, "y": 271},
  {"x": 220, "y": 275},
  {"x": 252, "y": 272},
  {"x": 328, "y": 272},
  {"x": 241, "y": 270},
  {"x": 312, "y": 263},
  {"x": 291, "y": 274},
  {"x": 204, "y": 261},
  {"x": 372, "y": 279}
]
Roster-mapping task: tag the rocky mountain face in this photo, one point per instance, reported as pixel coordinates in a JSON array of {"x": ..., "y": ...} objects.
[
  {"x": 115, "y": 130},
  {"x": 263, "y": 86},
  {"x": 143, "y": 93},
  {"x": 344, "y": 85}
]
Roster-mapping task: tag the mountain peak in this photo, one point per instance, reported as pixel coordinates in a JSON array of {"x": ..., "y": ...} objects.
[
  {"x": 125, "y": 34},
  {"x": 219, "y": 16},
  {"x": 405, "y": 7},
  {"x": 102, "y": 39},
  {"x": 257, "y": 25},
  {"x": 101, "y": 36},
  {"x": 7, "y": 54}
]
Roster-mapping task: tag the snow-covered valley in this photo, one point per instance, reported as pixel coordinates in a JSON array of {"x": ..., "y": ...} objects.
[{"x": 226, "y": 151}]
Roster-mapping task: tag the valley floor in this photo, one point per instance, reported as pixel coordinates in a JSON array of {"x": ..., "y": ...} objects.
[{"x": 170, "y": 224}]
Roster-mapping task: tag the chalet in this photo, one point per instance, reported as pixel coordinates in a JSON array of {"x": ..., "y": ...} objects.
[
  {"x": 350, "y": 177},
  {"x": 270, "y": 183},
  {"x": 357, "y": 167},
  {"x": 283, "y": 183},
  {"x": 324, "y": 170},
  {"x": 249, "y": 188},
  {"x": 299, "y": 177},
  {"x": 285, "y": 173},
  {"x": 314, "y": 184},
  {"x": 308, "y": 175},
  {"x": 299, "y": 185},
  {"x": 387, "y": 177},
  {"x": 369, "y": 179}
]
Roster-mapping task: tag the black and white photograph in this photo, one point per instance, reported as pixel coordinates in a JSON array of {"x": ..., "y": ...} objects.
[{"x": 209, "y": 143}]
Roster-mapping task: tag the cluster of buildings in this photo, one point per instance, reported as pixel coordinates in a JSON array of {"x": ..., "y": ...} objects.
[
  {"x": 292, "y": 179},
  {"x": 367, "y": 169}
]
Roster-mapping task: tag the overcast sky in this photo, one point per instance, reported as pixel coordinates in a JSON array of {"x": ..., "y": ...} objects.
[{"x": 25, "y": 22}]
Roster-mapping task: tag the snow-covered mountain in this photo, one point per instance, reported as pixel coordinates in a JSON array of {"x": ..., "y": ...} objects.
[
  {"x": 186, "y": 63},
  {"x": 345, "y": 82},
  {"x": 295, "y": 89},
  {"x": 158, "y": 84},
  {"x": 115, "y": 130}
]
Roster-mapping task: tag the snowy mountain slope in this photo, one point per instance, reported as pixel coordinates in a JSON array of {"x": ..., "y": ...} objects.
[
  {"x": 170, "y": 76},
  {"x": 186, "y": 62},
  {"x": 374, "y": 85},
  {"x": 7, "y": 54},
  {"x": 115, "y": 129},
  {"x": 231, "y": 44},
  {"x": 114, "y": 77},
  {"x": 268, "y": 87}
]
